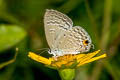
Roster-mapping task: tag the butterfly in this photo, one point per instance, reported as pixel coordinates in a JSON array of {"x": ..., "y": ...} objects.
[{"x": 62, "y": 37}]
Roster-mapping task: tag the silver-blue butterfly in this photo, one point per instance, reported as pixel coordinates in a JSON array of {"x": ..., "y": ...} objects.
[{"x": 62, "y": 37}]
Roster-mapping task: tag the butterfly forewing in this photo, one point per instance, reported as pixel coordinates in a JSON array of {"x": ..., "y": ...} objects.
[{"x": 56, "y": 24}]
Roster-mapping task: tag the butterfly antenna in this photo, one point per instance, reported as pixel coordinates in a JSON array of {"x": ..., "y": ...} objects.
[{"x": 43, "y": 51}]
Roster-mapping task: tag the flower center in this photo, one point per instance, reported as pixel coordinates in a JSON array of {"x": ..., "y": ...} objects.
[{"x": 67, "y": 57}]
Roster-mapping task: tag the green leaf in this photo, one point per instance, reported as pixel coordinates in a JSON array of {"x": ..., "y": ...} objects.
[{"x": 10, "y": 35}]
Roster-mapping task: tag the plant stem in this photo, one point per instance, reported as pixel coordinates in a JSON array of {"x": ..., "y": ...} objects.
[
  {"x": 92, "y": 19},
  {"x": 105, "y": 36},
  {"x": 106, "y": 23},
  {"x": 67, "y": 74}
]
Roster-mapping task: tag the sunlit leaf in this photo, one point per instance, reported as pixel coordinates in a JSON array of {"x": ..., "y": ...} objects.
[{"x": 10, "y": 35}]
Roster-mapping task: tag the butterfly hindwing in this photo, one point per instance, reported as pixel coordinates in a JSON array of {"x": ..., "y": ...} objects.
[{"x": 72, "y": 40}]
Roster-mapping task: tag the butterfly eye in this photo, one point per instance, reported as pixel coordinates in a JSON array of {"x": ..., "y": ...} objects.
[{"x": 85, "y": 42}]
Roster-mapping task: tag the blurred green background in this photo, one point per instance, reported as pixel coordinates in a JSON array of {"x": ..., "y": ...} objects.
[{"x": 21, "y": 26}]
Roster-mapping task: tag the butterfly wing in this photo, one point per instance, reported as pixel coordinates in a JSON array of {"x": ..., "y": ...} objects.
[
  {"x": 73, "y": 41},
  {"x": 55, "y": 23}
]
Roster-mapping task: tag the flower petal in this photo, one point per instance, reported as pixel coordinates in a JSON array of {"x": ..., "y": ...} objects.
[
  {"x": 88, "y": 56},
  {"x": 95, "y": 58},
  {"x": 40, "y": 58},
  {"x": 92, "y": 59}
]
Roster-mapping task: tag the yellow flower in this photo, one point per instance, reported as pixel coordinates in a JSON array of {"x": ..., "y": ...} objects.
[{"x": 67, "y": 61}]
